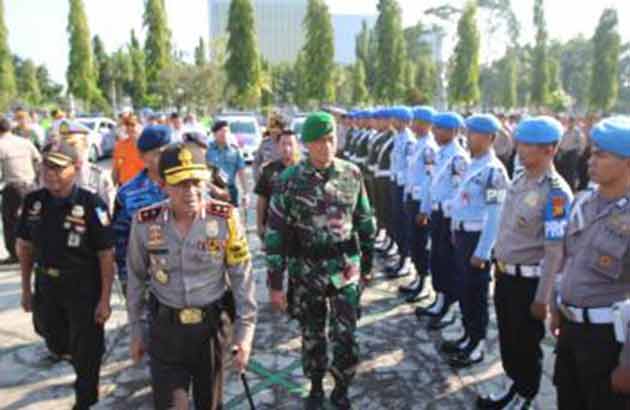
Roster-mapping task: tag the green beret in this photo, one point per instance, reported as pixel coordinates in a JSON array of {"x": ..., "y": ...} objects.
[{"x": 317, "y": 125}]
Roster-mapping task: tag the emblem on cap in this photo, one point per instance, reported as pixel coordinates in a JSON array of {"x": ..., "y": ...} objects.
[
  {"x": 161, "y": 276},
  {"x": 185, "y": 157},
  {"x": 78, "y": 211}
]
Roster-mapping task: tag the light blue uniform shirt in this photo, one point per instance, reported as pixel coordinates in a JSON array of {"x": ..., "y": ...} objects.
[
  {"x": 227, "y": 158},
  {"x": 479, "y": 199},
  {"x": 403, "y": 143},
  {"x": 424, "y": 153},
  {"x": 448, "y": 171}
]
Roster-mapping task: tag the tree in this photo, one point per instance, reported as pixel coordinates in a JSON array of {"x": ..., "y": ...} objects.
[
  {"x": 464, "y": 80},
  {"x": 81, "y": 76},
  {"x": 509, "y": 81},
  {"x": 157, "y": 45},
  {"x": 7, "y": 73},
  {"x": 575, "y": 69},
  {"x": 50, "y": 90},
  {"x": 426, "y": 78},
  {"x": 300, "y": 96},
  {"x": 243, "y": 64},
  {"x": 540, "y": 75},
  {"x": 283, "y": 83},
  {"x": 138, "y": 86},
  {"x": 319, "y": 52},
  {"x": 28, "y": 84},
  {"x": 201, "y": 54},
  {"x": 359, "y": 89},
  {"x": 103, "y": 68},
  {"x": 390, "y": 55},
  {"x": 606, "y": 50}
]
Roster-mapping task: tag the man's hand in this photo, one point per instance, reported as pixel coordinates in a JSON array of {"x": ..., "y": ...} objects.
[
  {"x": 555, "y": 322},
  {"x": 422, "y": 220},
  {"x": 278, "y": 301},
  {"x": 27, "y": 300},
  {"x": 538, "y": 311},
  {"x": 241, "y": 356},
  {"x": 621, "y": 379},
  {"x": 137, "y": 349},
  {"x": 103, "y": 312},
  {"x": 475, "y": 262}
]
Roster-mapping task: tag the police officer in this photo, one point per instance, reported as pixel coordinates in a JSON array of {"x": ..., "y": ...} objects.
[
  {"x": 185, "y": 251},
  {"x": 321, "y": 227},
  {"x": 228, "y": 158},
  {"x": 449, "y": 169},
  {"x": 64, "y": 234},
  {"x": 268, "y": 151},
  {"x": 141, "y": 191},
  {"x": 528, "y": 251},
  {"x": 19, "y": 163},
  {"x": 475, "y": 211},
  {"x": 590, "y": 316},
  {"x": 91, "y": 177},
  {"x": 403, "y": 144},
  {"x": 418, "y": 179},
  {"x": 218, "y": 187}
]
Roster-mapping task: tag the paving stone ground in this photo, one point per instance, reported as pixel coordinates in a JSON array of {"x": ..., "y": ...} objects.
[{"x": 401, "y": 367}]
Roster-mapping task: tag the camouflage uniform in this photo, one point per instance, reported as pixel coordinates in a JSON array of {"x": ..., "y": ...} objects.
[{"x": 322, "y": 229}]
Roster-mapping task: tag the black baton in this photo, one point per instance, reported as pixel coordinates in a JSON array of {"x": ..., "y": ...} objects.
[{"x": 245, "y": 384}]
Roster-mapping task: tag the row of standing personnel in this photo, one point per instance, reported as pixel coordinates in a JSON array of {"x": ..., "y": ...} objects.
[{"x": 446, "y": 206}]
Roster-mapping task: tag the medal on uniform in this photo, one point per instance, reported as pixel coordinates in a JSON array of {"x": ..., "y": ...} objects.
[
  {"x": 605, "y": 261},
  {"x": 66, "y": 225},
  {"x": 74, "y": 240},
  {"x": 37, "y": 207},
  {"x": 78, "y": 211},
  {"x": 531, "y": 199},
  {"x": 156, "y": 237},
  {"x": 620, "y": 224},
  {"x": 212, "y": 228},
  {"x": 522, "y": 222},
  {"x": 161, "y": 276}
]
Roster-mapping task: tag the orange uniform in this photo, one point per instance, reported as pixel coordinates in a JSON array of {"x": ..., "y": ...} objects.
[{"x": 126, "y": 160}]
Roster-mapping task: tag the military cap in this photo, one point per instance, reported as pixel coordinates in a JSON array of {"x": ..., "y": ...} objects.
[
  {"x": 60, "y": 153},
  {"x": 483, "y": 124},
  {"x": 154, "y": 136},
  {"x": 448, "y": 120},
  {"x": 613, "y": 135},
  {"x": 423, "y": 113},
  {"x": 70, "y": 127},
  {"x": 539, "y": 130},
  {"x": 317, "y": 125},
  {"x": 181, "y": 162}
]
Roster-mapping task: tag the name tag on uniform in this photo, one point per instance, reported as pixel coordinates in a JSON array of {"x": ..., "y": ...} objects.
[{"x": 74, "y": 240}]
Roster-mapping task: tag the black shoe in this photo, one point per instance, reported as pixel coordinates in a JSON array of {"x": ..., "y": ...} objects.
[
  {"x": 339, "y": 399},
  {"x": 433, "y": 309},
  {"x": 402, "y": 270},
  {"x": 495, "y": 402},
  {"x": 452, "y": 347},
  {"x": 316, "y": 397},
  {"x": 469, "y": 356},
  {"x": 412, "y": 287},
  {"x": 441, "y": 321}
]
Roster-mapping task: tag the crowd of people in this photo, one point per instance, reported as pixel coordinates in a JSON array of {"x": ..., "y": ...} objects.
[{"x": 540, "y": 202}]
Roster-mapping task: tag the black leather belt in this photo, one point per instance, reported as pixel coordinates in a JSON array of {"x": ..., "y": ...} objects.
[{"x": 189, "y": 315}]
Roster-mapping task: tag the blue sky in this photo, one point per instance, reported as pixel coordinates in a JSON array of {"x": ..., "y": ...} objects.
[{"x": 37, "y": 28}]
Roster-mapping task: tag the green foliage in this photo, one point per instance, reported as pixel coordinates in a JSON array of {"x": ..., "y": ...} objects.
[
  {"x": 28, "y": 84},
  {"x": 319, "y": 53},
  {"x": 157, "y": 46},
  {"x": 7, "y": 73},
  {"x": 464, "y": 80},
  {"x": 390, "y": 52},
  {"x": 138, "y": 87},
  {"x": 605, "y": 71},
  {"x": 201, "y": 54},
  {"x": 359, "y": 89},
  {"x": 243, "y": 64},
  {"x": 540, "y": 75}
]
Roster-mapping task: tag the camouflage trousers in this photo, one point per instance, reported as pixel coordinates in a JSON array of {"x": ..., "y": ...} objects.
[{"x": 324, "y": 314}]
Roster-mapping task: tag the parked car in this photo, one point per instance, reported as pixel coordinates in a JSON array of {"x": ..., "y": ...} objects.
[
  {"x": 101, "y": 136},
  {"x": 245, "y": 132}
]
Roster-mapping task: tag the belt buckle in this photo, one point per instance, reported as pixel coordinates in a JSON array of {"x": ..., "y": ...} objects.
[
  {"x": 190, "y": 316},
  {"x": 502, "y": 267},
  {"x": 567, "y": 312},
  {"x": 52, "y": 272}
]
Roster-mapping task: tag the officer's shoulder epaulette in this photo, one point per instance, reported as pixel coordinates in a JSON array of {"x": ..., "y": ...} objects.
[
  {"x": 151, "y": 212},
  {"x": 555, "y": 181},
  {"x": 234, "y": 146},
  {"x": 220, "y": 209}
]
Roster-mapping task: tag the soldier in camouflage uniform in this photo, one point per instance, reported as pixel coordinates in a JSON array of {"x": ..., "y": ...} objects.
[
  {"x": 90, "y": 177},
  {"x": 321, "y": 227}
]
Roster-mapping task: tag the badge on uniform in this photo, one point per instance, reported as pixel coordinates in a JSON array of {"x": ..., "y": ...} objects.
[
  {"x": 492, "y": 196},
  {"x": 103, "y": 216},
  {"x": 78, "y": 211},
  {"x": 605, "y": 261},
  {"x": 212, "y": 228},
  {"x": 531, "y": 199},
  {"x": 620, "y": 224},
  {"x": 74, "y": 240},
  {"x": 156, "y": 236},
  {"x": 557, "y": 206},
  {"x": 36, "y": 209},
  {"x": 161, "y": 277}
]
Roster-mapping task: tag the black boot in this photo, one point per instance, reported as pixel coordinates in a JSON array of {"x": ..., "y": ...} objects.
[
  {"x": 339, "y": 398},
  {"x": 496, "y": 402},
  {"x": 315, "y": 399},
  {"x": 454, "y": 346},
  {"x": 472, "y": 354},
  {"x": 414, "y": 295}
]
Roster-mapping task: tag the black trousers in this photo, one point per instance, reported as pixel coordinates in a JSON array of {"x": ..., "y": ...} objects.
[
  {"x": 12, "y": 196},
  {"x": 381, "y": 198},
  {"x": 418, "y": 237},
  {"x": 185, "y": 355},
  {"x": 472, "y": 286},
  {"x": 519, "y": 333},
  {"x": 442, "y": 257},
  {"x": 586, "y": 356},
  {"x": 65, "y": 316},
  {"x": 568, "y": 166}
]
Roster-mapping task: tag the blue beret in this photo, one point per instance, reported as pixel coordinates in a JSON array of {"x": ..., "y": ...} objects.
[
  {"x": 613, "y": 135},
  {"x": 448, "y": 120},
  {"x": 402, "y": 113},
  {"x": 423, "y": 113},
  {"x": 539, "y": 130},
  {"x": 153, "y": 137},
  {"x": 483, "y": 124}
]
